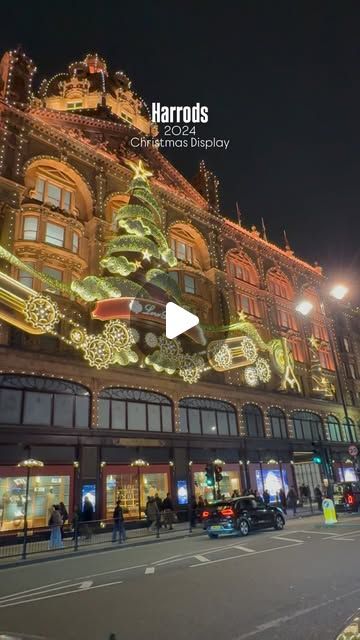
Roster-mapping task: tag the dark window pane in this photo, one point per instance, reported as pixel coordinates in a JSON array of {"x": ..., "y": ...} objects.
[
  {"x": 233, "y": 424},
  {"x": 208, "y": 419},
  {"x": 136, "y": 416},
  {"x": 194, "y": 421},
  {"x": 166, "y": 418},
  {"x": 222, "y": 422},
  {"x": 10, "y": 406},
  {"x": 118, "y": 418},
  {"x": 82, "y": 408},
  {"x": 104, "y": 414},
  {"x": 63, "y": 410},
  {"x": 154, "y": 417},
  {"x": 37, "y": 408},
  {"x": 183, "y": 421}
]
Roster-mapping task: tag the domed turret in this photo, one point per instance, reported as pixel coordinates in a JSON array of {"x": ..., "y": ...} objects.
[{"x": 88, "y": 85}]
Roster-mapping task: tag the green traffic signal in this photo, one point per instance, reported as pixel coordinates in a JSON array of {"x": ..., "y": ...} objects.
[
  {"x": 316, "y": 458},
  {"x": 210, "y": 482}
]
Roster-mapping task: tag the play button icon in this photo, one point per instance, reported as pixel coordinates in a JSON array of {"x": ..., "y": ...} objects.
[{"x": 178, "y": 320}]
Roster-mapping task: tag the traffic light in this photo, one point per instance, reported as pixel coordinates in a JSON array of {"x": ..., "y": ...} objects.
[
  {"x": 218, "y": 474},
  {"x": 316, "y": 457},
  {"x": 209, "y": 473}
]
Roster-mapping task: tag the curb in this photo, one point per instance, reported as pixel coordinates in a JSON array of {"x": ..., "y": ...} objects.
[{"x": 93, "y": 551}]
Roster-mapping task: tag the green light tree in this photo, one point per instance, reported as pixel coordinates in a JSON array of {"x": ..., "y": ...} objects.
[{"x": 137, "y": 258}]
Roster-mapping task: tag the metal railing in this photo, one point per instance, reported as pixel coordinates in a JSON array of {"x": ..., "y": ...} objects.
[{"x": 73, "y": 537}]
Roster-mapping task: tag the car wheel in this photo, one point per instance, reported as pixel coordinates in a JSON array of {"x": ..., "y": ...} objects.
[
  {"x": 244, "y": 527},
  {"x": 279, "y": 522},
  {"x": 213, "y": 535}
]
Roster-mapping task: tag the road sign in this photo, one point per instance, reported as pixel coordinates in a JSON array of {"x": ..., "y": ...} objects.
[{"x": 353, "y": 451}]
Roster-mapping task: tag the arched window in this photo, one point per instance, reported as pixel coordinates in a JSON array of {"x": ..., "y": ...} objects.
[
  {"x": 254, "y": 421},
  {"x": 134, "y": 410},
  {"x": 349, "y": 430},
  {"x": 189, "y": 246},
  {"x": 207, "y": 416},
  {"x": 307, "y": 425},
  {"x": 241, "y": 268},
  {"x": 37, "y": 401},
  {"x": 334, "y": 429},
  {"x": 277, "y": 423},
  {"x": 279, "y": 284}
]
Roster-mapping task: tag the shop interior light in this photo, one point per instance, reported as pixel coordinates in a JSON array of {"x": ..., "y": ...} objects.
[
  {"x": 218, "y": 461},
  {"x": 139, "y": 463},
  {"x": 304, "y": 307},
  {"x": 339, "y": 291},
  {"x": 30, "y": 463}
]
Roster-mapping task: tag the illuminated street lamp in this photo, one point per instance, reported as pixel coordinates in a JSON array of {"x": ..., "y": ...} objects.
[
  {"x": 138, "y": 464},
  {"x": 339, "y": 291},
  {"x": 28, "y": 464},
  {"x": 304, "y": 307}
]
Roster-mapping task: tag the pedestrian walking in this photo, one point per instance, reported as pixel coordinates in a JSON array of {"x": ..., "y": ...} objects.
[
  {"x": 292, "y": 499},
  {"x": 119, "y": 527},
  {"x": 282, "y": 497},
  {"x": 153, "y": 514},
  {"x": 55, "y": 523},
  {"x": 266, "y": 497},
  {"x": 75, "y": 521},
  {"x": 318, "y": 497},
  {"x": 87, "y": 516},
  {"x": 159, "y": 503},
  {"x": 64, "y": 515},
  {"x": 168, "y": 509}
]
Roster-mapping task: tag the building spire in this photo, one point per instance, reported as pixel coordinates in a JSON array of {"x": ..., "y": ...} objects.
[
  {"x": 264, "y": 229},
  {"x": 238, "y": 213},
  {"x": 288, "y": 249}
]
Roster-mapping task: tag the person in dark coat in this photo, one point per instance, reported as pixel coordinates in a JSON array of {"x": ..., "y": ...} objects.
[
  {"x": 168, "y": 509},
  {"x": 76, "y": 517},
  {"x": 266, "y": 497},
  {"x": 64, "y": 515},
  {"x": 87, "y": 516},
  {"x": 318, "y": 497},
  {"x": 118, "y": 517},
  {"x": 292, "y": 499},
  {"x": 282, "y": 497}
]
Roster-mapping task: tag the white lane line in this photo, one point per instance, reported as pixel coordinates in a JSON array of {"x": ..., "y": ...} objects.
[
  {"x": 104, "y": 573},
  {"x": 44, "y": 586},
  {"x": 247, "y": 555},
  {"x": 341, "y": 539},
  {"x": 202, "y": 558},
  {"x": 246, "y": 549},
  {"x": 185, "y": 556},
  {"x": 149, "y": 570},
  {"x": 318, "y": 533},
  {"x": 301, "y": 612},
  {"x": 22, "y": 595},
  {"x": 166, "y": 559},
  {"x": 286, "y": 539},
  {"x": 58, "y": 595}
]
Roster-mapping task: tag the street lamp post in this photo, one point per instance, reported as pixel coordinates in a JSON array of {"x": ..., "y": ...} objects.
[
  {"x": 304, "y": 307},
  {"x": 28, "y": 464}
]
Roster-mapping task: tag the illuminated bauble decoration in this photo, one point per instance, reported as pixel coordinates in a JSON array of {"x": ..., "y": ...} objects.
[
  {"x": 98, "y": 352},
  {"x": 151, "y": 340},
  {"x": 263, "y": 370},
  {"x": 251, "y": 376},
  {"x": 191, "y": 367},
  {"x": 223, "y": 357},
  {"x": 117, "y": 334},
  {"x": 41, "y": 312},
  {"x": 249, "y": 349},
  {"x": 78, "y": 336},
  {"x": 135, "y": 335},
  {"x": 170, "y": 348}
]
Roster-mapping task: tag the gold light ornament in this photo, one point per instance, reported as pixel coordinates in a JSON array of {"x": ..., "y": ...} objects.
[
  {"x": 191, "y": 367},
  {"x": 98, "y": 352},
  {"x": 139, "y": 169},
  {"x": 78, "y": 336},
  {"x": 263, "y": 370},
  {"x": 251, "y": 376},
  {"x": 117, "y": 334},
  {"x": 41, "y": 312}
]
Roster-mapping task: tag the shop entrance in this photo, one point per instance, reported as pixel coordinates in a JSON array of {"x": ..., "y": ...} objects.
[{"x": 307, "y": 474}]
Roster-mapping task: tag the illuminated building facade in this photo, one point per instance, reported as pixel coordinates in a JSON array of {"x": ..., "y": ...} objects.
[{"x": 261, "y": 410}]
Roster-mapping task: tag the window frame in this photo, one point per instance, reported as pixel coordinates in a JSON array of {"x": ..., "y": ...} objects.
[
  {"x": 114, "y": 394},
  {"x": 58, "y": 226},
  {"x": 275, "y": 413},
  {"x": 202, "y": 405},
  {"x": 303, "y": 417},
  {"x": 24, "y": 231},
  {"x": 248, "y": 410}
]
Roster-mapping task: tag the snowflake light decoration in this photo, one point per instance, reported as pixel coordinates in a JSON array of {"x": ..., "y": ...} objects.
[
  {"x": 78, "y": 336},
  {"x": 251, "y": 376},
  {"x": 98, "y": 352},
  {"x": 223, "y": 357},
  {"x": 170, "y": 348},
  {"x": 263, "y": 370},
  {"x": 117, "y": 334},
  {"x": 151, "y": 340},
  {"x": 249, "y": 349},
  {"x": 41, "y": 312},
  {"x": 191, "y": 368}
]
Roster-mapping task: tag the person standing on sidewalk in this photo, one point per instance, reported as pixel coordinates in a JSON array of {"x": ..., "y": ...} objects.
[
  {"x": 282, "y": 497},
  {"x": 55, "y": 523},
  {"x": 153, "y": 514},
  {"x": 318, "y": 497},
  {"x": 168, "y": 509},
  {"x": 292, "y": 499},
  {"x": 119, "y": 527},
  {"x": 87, "y": 516}
]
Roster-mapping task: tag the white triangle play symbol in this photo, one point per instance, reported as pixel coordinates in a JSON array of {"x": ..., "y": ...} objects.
[{"x": 178, "y": 320}]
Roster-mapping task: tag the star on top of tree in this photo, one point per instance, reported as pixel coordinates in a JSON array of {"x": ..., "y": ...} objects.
[
  {"x": 242, "y": 315},
  {"x": 139, "y": 170},
  {"x": 314, "y": 342}
]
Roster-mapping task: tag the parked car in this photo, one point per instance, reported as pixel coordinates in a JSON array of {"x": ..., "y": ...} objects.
[
  {"x": 347, "y": 496},
  {"x": 239, "y": 516}
]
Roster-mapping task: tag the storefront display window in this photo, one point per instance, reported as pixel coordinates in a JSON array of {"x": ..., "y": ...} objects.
[
  {"x": 229, "y": 484},
  {"x": 347, "y": 474},
  {"x": 45, "y": 491},
  {"x": 123, "y": 485},
  {"x": 272, "y": 480}
]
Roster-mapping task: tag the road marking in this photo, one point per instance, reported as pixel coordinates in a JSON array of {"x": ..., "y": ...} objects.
[
  {"x": 81, "y": 589},
  {"x": 301, "y": 612},
  {"x": 45, "y": 590},
  {"x": 286, "y": 539},
  {"x": 149, "y": 570},
  {"x": 202, "y": 558},
  {"x": 44, "y": 586},
  {"x": 246, "y": 555},
  {"x": 318, "y": 533},
  {"x": 166, "y": 559},
  {"x": 238, "y": 546},
  {"x": 177, "y": 558},
  {"x": 341, "y": 539},
  {"x": 104, "y": 573}
]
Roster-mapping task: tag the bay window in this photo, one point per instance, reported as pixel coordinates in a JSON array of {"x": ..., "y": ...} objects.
[
  {"x": 55, "y": 234},
  {"x": 247, "y": 304},
  {"x": 53, "y": 194},
  {"x": 182, "y": 250},
  {"x": 30, "y": 229}
]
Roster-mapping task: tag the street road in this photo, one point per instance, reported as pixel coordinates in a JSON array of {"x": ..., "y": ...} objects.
[{"x": 299, "y": 583}]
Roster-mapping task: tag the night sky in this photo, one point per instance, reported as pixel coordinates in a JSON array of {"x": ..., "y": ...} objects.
[{"x": 281, "y": 80}]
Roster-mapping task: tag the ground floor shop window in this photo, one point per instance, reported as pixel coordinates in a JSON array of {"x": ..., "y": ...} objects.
[
  {"x": 307, "y": 474},
  {"x": 229, "y": 484},
  {"x": 272, "y": 480},
  {"x": 347, "y": 474},
  {"x": 133, "y": 487},
  {"x": 44, "y": 492}
]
